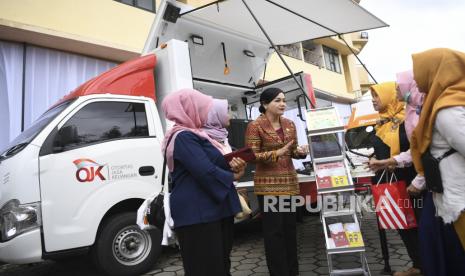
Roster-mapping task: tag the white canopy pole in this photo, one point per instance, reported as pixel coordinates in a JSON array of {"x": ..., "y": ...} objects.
[{"x": 279, "y": 54}]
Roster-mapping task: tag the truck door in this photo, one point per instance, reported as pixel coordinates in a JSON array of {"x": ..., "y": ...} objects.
[{"x": 100, "y": 153}]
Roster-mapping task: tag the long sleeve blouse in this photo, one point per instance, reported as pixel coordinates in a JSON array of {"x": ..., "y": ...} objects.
[
  {"x": 273, "y": 176},
  {"x": 203, "y": 189},
  {"x": 449, "y": 132},
  {"x": 404, "y": 159}
]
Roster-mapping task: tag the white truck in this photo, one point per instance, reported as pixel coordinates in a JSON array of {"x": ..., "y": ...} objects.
[{"x": 72, "y": 182}]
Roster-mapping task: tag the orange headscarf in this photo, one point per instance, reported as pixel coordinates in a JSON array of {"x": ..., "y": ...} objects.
[
  {"x": 392, "y": 112},
  {"x": 440, "y": 73}
]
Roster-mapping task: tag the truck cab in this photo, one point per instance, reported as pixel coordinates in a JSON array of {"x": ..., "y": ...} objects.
[{"x": 73, "y": 181}]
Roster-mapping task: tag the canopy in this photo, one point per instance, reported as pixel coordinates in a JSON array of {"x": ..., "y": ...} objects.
[{"x": 286, "y": 21}]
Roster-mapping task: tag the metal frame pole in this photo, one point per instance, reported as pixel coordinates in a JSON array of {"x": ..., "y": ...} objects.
[
  {"x": 279, "y": 54},
  {"x": 359, "y": 60}
]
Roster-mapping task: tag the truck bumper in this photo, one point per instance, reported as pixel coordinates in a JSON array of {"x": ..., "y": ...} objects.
[{"x": 25, "y": 248}]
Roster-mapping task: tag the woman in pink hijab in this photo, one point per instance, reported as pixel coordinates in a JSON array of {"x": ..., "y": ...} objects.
[
  {"x": 203, "y": 199},
  {"x": 408, "y": 92},
  {"x": 216, "y": 124}
]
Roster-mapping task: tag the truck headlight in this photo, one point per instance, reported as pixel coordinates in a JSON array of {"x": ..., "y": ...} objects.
[{"x": 16, "y": 218}]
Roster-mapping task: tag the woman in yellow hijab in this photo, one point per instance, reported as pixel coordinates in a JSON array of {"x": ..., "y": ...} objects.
[
  {"x": 390, "y": 140},
  {"x": 391, "y": 112},
  {"x": 440, "y": 73}
]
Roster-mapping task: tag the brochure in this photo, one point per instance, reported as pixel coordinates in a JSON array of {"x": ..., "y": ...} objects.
[
  {"x": 353, "y": 234},
  {"x": 331, "y": 175},
  {"x": 345, "y": 235},
  {"x": 324, "y": 119},
  {"x": 338, "y": 235}
]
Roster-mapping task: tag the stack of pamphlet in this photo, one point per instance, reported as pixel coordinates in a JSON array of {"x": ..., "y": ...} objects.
[
  {"x": 345, "y": 235},
  {"x": 331, "y": 175}
]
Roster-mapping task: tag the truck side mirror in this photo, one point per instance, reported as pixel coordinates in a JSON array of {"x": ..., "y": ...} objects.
[
  {"x": 359, "y": 137},
  {"x": 66, "y": 136}
]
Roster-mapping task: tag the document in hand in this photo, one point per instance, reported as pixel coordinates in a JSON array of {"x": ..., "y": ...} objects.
[{"x": 245, "y": 154}]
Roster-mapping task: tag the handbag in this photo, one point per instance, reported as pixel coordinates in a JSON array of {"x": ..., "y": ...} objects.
[
  {"x": 155, "y": 213},
  {"x": 431, "y": 170},
  {"x": 394, "y": 208}
]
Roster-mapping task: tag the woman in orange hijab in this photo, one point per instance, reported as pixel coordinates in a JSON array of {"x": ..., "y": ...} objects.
[
  {"x": 390, "y": 140},
  {"x": 440, "y": 73}
]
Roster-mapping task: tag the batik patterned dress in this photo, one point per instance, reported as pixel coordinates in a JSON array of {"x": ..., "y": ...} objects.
[{"x": 273, "y": 175}]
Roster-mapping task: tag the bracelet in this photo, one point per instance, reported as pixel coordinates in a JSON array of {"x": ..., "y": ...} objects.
[{"x": 274, "y": 156}]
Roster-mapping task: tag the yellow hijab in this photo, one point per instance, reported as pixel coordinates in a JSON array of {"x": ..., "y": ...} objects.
[
  {"x": 392, "y": 113},
  {"x": 440, "y": 74}
]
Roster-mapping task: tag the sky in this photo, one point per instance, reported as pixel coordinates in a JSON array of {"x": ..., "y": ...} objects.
[{"x": 415, "y": 26}]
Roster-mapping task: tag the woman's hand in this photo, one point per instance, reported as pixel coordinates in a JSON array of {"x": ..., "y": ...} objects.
[
  {"x": 302, "y": 150},
  {"x": 237, "y": 164},
  {"x": 413, "y": 191},
  {"x": 376, "y": 165},
  {"x": 238, "y": 167},
  {"x": 284, "y": 150}
]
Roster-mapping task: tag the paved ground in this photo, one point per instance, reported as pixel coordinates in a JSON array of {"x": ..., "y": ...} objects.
[{"x": 248, "y": 256}]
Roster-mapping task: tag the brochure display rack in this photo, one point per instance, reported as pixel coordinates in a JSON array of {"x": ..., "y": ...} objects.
[{"x": 333, "y": 179}]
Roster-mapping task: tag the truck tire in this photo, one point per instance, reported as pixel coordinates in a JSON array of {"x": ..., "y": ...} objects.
[{"x": 122, "y": 248}]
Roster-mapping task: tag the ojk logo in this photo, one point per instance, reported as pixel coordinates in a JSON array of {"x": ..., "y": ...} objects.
[{"x": 88, "y": 170}]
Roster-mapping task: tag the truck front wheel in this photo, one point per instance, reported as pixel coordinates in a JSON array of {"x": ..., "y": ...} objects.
[{"x": 122, "y": 248}]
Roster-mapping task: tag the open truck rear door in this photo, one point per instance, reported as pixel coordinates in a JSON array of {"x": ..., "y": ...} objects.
[{"x": 231, "y": 41}]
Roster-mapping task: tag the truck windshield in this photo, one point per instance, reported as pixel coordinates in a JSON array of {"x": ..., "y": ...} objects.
[{"x": 26, "y": 136}]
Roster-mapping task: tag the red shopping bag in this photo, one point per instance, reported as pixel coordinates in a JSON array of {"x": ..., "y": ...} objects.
[{"x": 394, "y": 208}]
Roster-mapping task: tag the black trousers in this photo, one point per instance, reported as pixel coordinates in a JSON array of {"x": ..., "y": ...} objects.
[
  {"x": 206, "y": 247},
  {"x": 411, "y": 242},
  {"x": 280, "y": 236}
]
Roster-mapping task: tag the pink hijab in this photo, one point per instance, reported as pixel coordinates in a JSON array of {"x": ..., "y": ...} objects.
[
  {"x": 413, "y": 97},
  {"x": 188, "y": 109},
  {"x": 217, "y": 120}
]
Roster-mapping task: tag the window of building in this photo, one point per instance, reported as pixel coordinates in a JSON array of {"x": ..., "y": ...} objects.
[
  {"x": 291, "y": 50},
  {"x": 332, "y": 59},
  {"x": 102, "y": 121},
  {"x": 148, "y": 5},
  {"x": 312, "y": 53}
]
